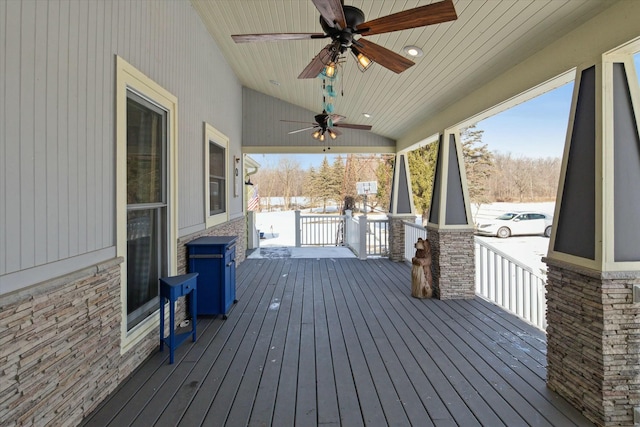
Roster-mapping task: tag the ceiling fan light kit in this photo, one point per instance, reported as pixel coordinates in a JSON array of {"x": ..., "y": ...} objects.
[
  {"x": 329, "y": 70},
  {"x": 363, "y": 61},
  {"x": 342, "y": 23}
]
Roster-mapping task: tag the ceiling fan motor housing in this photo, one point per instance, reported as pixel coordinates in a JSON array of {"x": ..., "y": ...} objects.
[
  {"x": 321, "y": 120},
  {"x": 353, "y": 17}
]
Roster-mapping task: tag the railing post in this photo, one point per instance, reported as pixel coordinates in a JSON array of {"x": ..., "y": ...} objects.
[
  {"x": 298, "y": 229},
  {"x": 362, "y": 251},
  {"x": 345, "y": 226}
]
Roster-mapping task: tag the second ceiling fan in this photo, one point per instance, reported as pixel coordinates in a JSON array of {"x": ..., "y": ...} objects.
[
  {"x": 341, "y": 23},
  {"x": 324, "y": 126}
]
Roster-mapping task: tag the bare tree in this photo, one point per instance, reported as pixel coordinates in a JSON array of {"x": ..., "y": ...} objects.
[{"x": 287, "y": 173}]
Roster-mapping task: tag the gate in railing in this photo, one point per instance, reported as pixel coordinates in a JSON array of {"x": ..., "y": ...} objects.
[
  {"x": 364, "y": 236},
  {"x": 376, "y": 237},
  {"x": 367, "y": 236},
  {"x": 319, "y": 230}
]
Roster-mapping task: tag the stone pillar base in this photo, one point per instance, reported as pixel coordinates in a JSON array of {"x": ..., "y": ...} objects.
[
  {"x": 396, "y": 235},
  {"x": 593, "y": 341},
  {"x": 454, "y": 271}
]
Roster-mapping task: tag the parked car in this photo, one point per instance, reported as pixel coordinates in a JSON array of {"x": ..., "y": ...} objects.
[{"x": 516, "y": 224}]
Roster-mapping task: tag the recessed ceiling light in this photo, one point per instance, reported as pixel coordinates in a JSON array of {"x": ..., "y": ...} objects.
[
  {"x": 414, "y": 51},
  {"x": 367, "y": 115},
  {"x": 274, "y": 82}
]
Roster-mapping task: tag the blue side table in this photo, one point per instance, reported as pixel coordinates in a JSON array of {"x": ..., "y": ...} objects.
[{"x": 172, "y": 288}]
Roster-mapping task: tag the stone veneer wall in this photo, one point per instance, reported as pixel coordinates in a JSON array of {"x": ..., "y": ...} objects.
[
  {"x": 60, "y": 341},
  {"x": 236, "y": 227},
  {"x": 453, "y": 255},
  {"x": 60, "y": 348},
  {"x": 593, "y": 341}
]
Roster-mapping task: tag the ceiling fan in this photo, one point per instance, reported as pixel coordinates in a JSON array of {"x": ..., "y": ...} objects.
[
  {"x": 342, "y": 23},
  {"x": 324, "y": 125}
]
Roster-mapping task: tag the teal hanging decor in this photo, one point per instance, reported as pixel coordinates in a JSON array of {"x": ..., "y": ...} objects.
[{"x": 330, "y": 77}]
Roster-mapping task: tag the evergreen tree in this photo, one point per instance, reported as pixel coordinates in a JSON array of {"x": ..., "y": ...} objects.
[
  {"x": 384, "y": 175},
  {"x": 422, "y": 165},
  {"x": 478, "y": 162},
  {"x": 324, "y": 183}
]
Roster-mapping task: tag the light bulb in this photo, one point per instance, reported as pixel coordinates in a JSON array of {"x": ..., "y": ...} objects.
[
  {"x": 316, "y": 134},
  {"x": 364, "y": 61},
  {"x": 321, "y": 137},
  {"x": 330, "y": 70},
  {"x": 332, "y": 134}
]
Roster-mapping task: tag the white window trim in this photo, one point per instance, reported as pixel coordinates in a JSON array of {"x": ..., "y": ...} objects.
[
  {"x": 129, "y": 78},
  {"x": 212, "y": 134}
]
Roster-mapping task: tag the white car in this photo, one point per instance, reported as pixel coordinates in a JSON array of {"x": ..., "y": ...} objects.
[{"x": 516, "y": 223}]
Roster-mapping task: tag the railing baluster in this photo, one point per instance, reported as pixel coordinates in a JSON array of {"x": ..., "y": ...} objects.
[{"x": 508, "y": 283}]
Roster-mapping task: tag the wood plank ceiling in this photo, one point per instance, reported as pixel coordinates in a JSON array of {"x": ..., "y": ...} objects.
[{"x": 488, "y": 37}]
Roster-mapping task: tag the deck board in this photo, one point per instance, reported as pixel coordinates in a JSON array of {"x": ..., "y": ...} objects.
[{"x": 341, "y": 342}]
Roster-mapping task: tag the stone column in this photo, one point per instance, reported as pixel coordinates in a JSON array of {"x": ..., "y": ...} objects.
[
  {"x": 401, "y": 207},
  {"x": 593, "y": 318},
  {"x": 450, "y": 228},
  {"x": 593, "y": 341},
  {"x": 396, "y": 235},
  {"x": 453, "y": 258}
]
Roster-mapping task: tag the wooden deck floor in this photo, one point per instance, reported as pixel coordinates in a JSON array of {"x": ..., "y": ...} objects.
[{"x": 341, "y": 342}]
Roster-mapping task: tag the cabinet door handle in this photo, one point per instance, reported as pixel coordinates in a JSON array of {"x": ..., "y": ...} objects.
[{"x": 230, "y": 263}]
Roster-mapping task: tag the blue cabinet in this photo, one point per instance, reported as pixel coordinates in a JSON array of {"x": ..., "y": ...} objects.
[{"x": 214, "y": 259}]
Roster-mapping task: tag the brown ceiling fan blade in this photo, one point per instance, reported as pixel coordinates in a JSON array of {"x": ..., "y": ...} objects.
[
  {"x": 295, "y": 121},
  {"x": 271, "y": 37},
  {"x": 434, "y": 13},
  {"x": 335, "y": 118},
  {"x": 331, "y": 11},
  {"x": 383, "y": 56},
  {"x": 350, "y": 126},
  {"x": 301, "y": 130},
  {"x": 316, "y": 65}
]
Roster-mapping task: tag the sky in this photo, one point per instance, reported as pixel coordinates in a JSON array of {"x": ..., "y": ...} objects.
[{"x": 536, "y": 128}]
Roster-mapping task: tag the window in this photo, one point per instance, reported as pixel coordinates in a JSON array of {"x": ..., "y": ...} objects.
[
  {"x": 216, "y": 168},
  {"x": 146, "y": 206},
  {"x": 217, "y": 183},
  {"x": 146, "y": 202}
]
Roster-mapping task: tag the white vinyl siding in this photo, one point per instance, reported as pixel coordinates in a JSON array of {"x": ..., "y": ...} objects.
[{"x": 57, "y": 152}]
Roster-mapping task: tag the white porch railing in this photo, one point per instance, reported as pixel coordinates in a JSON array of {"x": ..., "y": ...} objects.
[
  {"x": 319, "y": 230},
  {"x": 376, "y": 236},
  {"x": 510, "y": 284},
  {"x": 364, "y": 236},
  {"x": 499, "y": 278}
]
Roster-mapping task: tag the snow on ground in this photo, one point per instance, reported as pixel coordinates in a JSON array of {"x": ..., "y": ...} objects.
[
  {"x": 527, "y": 249},
  {"x": 278, "y": 228},
  {"x": 279, "y": 231}
]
